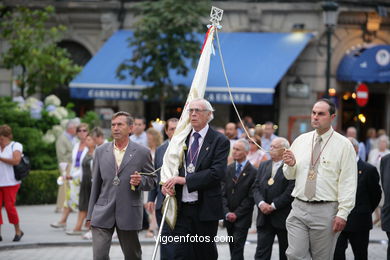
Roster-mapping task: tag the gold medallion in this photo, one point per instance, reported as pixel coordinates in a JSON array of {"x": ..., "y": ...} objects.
[
  {"x": 312, "y": 174},
  {"x": 271, "y": 181}
]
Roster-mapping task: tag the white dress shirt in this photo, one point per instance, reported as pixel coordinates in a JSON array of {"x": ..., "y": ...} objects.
[
  {"x": 336, "y": 178},
  {"x": 193, "y": 196}
]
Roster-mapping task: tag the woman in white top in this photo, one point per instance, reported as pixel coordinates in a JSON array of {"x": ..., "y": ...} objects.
[
  {"x": 72, "y": 194},
  {"x": 256, "y": 156},
  {"x": 10, "y": 155},
  {"x": 374, "y": 157}
]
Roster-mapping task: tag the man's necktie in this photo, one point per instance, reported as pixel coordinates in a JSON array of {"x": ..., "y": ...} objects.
[
  {"x": 238, "y": 170},
  {"x": 193, "y": 153},
  {"x": 311, "y": 181}
]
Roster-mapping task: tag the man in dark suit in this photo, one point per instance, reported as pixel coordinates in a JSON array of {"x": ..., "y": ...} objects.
[
  {"x": 237, "y": 198},
  {"x": 198, "y": 186},
  {"x": 116, "y": 196},
  {"x": 272, "y": 195},
  {"x": 166, "y": 251},
  {"x": 359, "y": 222},
  {"x": 385, "y": 180}
]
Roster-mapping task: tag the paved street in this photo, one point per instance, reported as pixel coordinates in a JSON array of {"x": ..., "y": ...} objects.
[{"x": 43, "y": 242}]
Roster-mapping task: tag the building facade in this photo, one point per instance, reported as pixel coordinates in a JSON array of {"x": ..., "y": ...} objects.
[{"x": 360, "y": 25}]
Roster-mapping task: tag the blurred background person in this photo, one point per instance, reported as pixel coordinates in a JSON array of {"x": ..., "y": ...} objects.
[
  {"x": 359, "y": 222},
  {"x": 10, "y": 155},
  {"x": 155, "y": 196},
  {"x": 231, "y": 134},
  {"x": 352, "y": 132},
  {"x": 374, "y": 158},
  {"x": 98, "y": 136},
  {"x": 64, "y": 147},
  {"x": 85, "y": 186},
  {"x": 376, "y": 154},
  {"x": 256, "y": 155},
  {"x": 268, "y": 136},
  {"x": 154, "y": 140},
  {"x": 72, "y": 194},
  {"x": 370, "y": 140},
  {"x": 259, "y": 130},
  {"x": 138, "y": 135}
]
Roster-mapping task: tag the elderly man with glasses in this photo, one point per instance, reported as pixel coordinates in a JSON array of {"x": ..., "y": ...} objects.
[{"x": 198, "y": 186}]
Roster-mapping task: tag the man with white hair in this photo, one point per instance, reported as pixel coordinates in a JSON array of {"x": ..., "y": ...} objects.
[
  {"x": 352, "y": 132},
  {"x": 237, "y": 198},
  {"x": 198, "y": 186},
  {"x": 272, "y": 195},
  {"x": 64, "y": 147}
]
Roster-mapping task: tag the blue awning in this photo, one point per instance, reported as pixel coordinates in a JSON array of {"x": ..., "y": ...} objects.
[
  {"x": 368, "y": 64},
  {"x": 255, "y": 63}
]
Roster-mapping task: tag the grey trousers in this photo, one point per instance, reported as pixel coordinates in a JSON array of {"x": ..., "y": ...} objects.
[
  {"x": 101, "y": 243},
  {"x": 310, "y": 234}
]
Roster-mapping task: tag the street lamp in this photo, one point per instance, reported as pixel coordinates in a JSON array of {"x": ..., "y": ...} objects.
[{"x": 330, "y": 21}]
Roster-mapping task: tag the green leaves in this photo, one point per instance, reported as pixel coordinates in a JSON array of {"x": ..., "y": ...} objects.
[
  {"x": 164, "y": 39},
  {"x": 33, "y": 49}
]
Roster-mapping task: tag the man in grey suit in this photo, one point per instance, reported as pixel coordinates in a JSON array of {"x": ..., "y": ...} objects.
[
  {"x": 64, "y": 147},
  {"x": 116, "y": 197}
]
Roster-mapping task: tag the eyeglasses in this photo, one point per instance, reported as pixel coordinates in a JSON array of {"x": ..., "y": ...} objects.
[
  {"x": 82, "y": 130},
  {"x": 196, "y": 110}
]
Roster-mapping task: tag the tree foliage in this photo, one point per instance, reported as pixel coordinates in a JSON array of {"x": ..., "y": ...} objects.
[
  {"x": 42, "y": 66},
  {"x": 164, "y": 41}
]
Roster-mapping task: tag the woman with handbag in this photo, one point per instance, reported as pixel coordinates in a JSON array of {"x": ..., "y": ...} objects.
[{"x": 10, "y": 155}]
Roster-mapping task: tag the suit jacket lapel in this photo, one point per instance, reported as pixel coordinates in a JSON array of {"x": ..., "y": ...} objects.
[
  {"x": 268, "y": 171},
  {"x": 129, "y": 154},
  {"x": 279, "y": 172},
  {"x": 243, "y": 173},
  {"x": 110, "y": 158},
  {"x": 205, "y": 147}
]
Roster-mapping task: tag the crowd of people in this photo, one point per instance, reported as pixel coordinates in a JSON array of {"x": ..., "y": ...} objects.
[{"x": 316, "y": 195}]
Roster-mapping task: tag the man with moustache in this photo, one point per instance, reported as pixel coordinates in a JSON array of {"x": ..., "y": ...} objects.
[
  {"x": 323, "y": 164},
  {"x": 116, "y": 197}
]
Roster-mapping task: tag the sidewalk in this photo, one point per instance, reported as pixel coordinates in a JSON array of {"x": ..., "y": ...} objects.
[{"x": 45, "y": 242}]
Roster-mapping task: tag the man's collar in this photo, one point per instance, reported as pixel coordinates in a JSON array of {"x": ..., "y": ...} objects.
[
  {"x": 202, "y": 132},
  {"x": 325, "y": 135},
  {"x": 242, "y": 163},
  {"x": 124, "y": 149}
]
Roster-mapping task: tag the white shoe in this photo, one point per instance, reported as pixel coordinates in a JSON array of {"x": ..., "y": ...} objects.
[
  {"x": 58, "y": 225},
  {"x": 88, "y": 235}
]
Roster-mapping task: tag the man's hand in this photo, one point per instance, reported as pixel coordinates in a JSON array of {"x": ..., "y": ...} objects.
[
  {"x": 266, "y": 208},
  {"x": 165, "y": 191},
  {"x": 170, "y": 184},
  {"x": 338, "y": 224},
  {"x": 135, "y": 179},
  {"x": 289, "y": 158},
  {"x": 231, "y": 217},
  {"x": 149, "y": 206}
]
